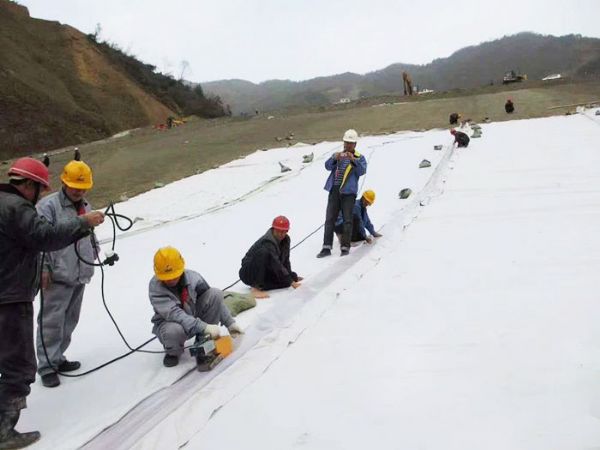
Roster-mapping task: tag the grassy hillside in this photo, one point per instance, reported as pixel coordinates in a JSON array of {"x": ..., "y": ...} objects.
[
  {"x": 134, "y": 163},
  {"x": 471, "y": 67}
]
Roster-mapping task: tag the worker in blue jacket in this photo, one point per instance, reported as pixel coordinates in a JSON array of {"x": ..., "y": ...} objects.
[
  {"x": 345, "y": 169},
  {"x": 361, "y": 223}
]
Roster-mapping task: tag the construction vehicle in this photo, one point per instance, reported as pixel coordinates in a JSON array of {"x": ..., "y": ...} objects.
[{"x": 512, "y": 77}]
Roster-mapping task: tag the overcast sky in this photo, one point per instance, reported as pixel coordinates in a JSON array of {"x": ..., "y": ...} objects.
[{"x": 257, "y": 40}]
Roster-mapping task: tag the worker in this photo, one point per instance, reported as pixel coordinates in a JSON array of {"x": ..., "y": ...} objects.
[
  {"x": 460, "y": 139},
  {"x": 509, "y": 106},
  {"x": 23, "y": 235},
  {"x": 184, "y": 305},
  {"x": 266, "y": 265},
  {"x": 454, "y": 118},
  {"x": 360, "y": 220},
  {"x": 64, "y": 274},
  {"x": 345, "y": 169}
]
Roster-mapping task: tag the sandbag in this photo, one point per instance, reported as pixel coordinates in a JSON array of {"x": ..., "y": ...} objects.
[{"x": 236, "y": 302}]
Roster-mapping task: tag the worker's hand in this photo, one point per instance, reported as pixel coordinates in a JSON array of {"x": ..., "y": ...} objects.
[
  {"x": 369, "y": 239},
  {"x": 214, "y": 331},
  {"x": 234, "y": 329},
  {"x": 296, "y": 284},
  {"x": 46, "y": 280},
  {"x": 94, "y": 218},
  {"x": 350, "y": 156},
  {"x": 377, "y": 234},
  {"x": 338, "y": 155}
]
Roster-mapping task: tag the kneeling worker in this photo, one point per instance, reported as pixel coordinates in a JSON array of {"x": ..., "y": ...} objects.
[
  {"x": 184, "y": 305},
  {"x": 267, "y": 264},
  {"x": 360, "y": 220}
]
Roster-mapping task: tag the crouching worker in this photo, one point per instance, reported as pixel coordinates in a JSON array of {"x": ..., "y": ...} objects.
[
  {"x": 460, "y": 139},
  {"x": 184, "y": 305},
  {"x": 267, "y": 264},
  {"x": 361, "y": 223}
]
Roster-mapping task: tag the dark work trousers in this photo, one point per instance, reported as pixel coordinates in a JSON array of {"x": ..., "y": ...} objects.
[
  {"x": 260, "y": 273},
  {"x": 17, "y": 354},
  {"x": 335, "y": 203},
  {"x": 355, "y": 236}
]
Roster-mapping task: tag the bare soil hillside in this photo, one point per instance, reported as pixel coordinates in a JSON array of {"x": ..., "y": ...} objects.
[{"x": 57, "y": 88}]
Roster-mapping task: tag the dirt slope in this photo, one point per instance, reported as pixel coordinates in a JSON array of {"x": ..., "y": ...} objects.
[{"x": 57, "y": 88}]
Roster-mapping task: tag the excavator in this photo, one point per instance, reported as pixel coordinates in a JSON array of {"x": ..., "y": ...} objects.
[{"x": 512, "y": 77}]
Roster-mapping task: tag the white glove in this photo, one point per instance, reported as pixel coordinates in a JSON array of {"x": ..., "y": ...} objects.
[
  {"x": 234, "y": 329},
  {"x": 214, "y": 331}
]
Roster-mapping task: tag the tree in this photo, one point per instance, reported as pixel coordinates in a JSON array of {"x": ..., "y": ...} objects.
[{"x": 184, "y": 65}]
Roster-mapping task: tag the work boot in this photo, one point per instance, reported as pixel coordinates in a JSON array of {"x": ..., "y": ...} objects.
[
  {"x": 324, "y": 252},
  {"x": 9, "y": 437},
  {"x": 69, "y": 366},
  {"x": 50, "y": 380},
  {"x": 170, "y": 360},
  {"x": 345, "y": 252}
]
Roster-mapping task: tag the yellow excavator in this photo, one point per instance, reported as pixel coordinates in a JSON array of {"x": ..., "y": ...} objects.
[{"x": 513, "y": 77}]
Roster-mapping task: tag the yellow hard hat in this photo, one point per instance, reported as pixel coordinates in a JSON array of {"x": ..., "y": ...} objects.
[
  {"x": 168, "y": 264},
  {"x": 369, "y": 196},
  {"x": 77, "y": 175}
]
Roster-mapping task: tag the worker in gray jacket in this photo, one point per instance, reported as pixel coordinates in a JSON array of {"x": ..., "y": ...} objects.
[
  {"x": 184, "y": 305},
  {"x": 64, "y": 274},
  {"x": 23, "y": 235}
]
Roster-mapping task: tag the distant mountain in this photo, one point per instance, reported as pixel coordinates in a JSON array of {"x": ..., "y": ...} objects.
[
  {"x": 59, "y": 86},
  {"x": 533, "y": 54}
]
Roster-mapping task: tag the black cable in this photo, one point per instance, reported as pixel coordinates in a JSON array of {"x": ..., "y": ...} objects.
[{"x": 114, "y": 218}]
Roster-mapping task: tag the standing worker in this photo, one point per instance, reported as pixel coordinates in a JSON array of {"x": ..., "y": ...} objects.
[
  {"x": 361, "y": 223},
  {"x": 184, "y": 305},
  {"x": 345, "y": 169},
  {"x": 509, "y": 106},
  {"x": 23, "y": 235},
  {"x": 64, "y": 274},
  {"x": 267, "y": 265}
]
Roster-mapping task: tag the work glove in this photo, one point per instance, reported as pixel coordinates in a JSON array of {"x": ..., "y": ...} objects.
[
  {"x": 234, "y": 329},
  {"x": 214, "y": 331}
]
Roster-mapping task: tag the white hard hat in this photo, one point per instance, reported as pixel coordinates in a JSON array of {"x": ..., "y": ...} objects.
[{"x": 350, "y": 136}]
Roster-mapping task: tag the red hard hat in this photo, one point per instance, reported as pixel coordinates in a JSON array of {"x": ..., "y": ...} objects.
[
  {"x": 281, "y": 223},
  {"x": 32, "y": 169}
]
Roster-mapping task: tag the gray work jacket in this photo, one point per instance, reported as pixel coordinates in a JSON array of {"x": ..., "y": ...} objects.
[
  {"x": 168, "y": 306},
  {"x": 64, "y": 265}
]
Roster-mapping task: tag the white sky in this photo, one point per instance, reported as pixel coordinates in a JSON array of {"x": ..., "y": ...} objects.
[{"x": 257, "y": 40}]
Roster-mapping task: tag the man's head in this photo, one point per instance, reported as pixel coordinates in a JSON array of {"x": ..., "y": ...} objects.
[
  {"x": 280, "y": 226},
  {"x": 77, "y": 180},
  {"x": 30, "y": 177},
  {"x": 168, "y": 265},
  {"x": 350, "y": 138},
  {"x": 368, "y": 197}
]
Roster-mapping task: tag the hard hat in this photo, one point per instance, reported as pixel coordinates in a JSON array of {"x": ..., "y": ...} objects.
[
  {"x": 369, "y": 196},
  {"x": 168, "y": 264},
  {"x": 281, "y": 223},
  {"x": 350, "y": 136},
  {"x": 77, "y": 175},
  {"x": 30, "y": 169}
]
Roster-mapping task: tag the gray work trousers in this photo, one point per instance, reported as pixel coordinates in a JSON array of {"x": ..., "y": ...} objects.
[
  {"x": 209, "y": 308},
  {"x": 62, "y": 306}
]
